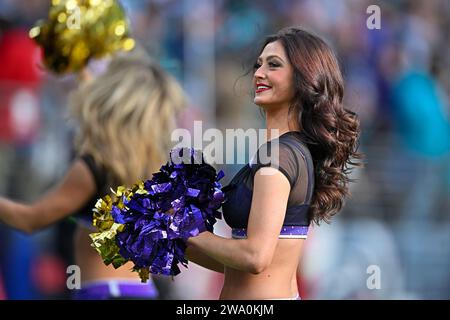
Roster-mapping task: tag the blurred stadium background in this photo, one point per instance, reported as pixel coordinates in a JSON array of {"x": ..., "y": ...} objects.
[{"x": 397, "y": 80}]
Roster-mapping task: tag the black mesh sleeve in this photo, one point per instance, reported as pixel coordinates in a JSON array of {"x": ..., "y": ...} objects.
[{"x": 278, "y": 155}]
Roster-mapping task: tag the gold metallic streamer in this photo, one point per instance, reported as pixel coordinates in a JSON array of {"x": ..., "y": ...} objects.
[
  {"x": 78, "y": 30},
  {"x": 104, "y": 239}
]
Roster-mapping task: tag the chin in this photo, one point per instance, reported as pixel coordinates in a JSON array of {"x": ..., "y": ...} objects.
[{"x": 260, "y": 102}]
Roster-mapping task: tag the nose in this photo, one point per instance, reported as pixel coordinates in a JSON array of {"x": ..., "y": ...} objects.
[{"x": 259, "y": 73}]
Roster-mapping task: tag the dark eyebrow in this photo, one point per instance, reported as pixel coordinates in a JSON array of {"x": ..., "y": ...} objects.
[{"x": 271, "y": 56}]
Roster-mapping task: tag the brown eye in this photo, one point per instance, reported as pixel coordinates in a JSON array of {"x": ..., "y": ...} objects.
[{"x": 256, "y": 66}]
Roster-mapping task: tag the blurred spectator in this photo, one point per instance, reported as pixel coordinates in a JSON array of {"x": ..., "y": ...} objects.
[{"x": 397, "y": 80}]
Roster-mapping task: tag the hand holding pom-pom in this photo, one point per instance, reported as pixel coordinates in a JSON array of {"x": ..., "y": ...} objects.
[{"x": 150, "y": 223}]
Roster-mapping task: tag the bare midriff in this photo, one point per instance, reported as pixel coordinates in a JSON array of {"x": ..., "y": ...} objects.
[
  {"x": 91, "y": 264},
  {"x": 278, "y": 281}
]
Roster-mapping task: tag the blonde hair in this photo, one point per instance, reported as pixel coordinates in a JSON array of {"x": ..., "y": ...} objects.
[{"x": 125, "y": 117}]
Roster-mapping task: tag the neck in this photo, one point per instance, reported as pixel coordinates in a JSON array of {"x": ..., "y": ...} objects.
[{"x": 278, "y": 119}]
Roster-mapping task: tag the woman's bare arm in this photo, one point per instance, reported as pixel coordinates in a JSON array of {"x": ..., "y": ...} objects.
[
  {"x": 76, "y": 188},
  {"x": 254, "y": 254},
  {"x": 198, "y": 257}
]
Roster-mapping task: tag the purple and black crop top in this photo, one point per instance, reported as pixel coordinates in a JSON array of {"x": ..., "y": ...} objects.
[{"x": 296, "y": 163}]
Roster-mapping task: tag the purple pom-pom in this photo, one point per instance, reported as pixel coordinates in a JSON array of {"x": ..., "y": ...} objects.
[{"x": 183, "y": 200}]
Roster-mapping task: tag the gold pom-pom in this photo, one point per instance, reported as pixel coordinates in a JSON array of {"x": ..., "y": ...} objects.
[{"x": 78, "y": 30}]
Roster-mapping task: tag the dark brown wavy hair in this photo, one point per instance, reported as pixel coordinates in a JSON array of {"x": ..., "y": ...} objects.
[{"x": 331, "y": 131}]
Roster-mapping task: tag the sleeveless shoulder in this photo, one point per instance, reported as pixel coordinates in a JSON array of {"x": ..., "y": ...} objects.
[{"x": 97, "y": 171}]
